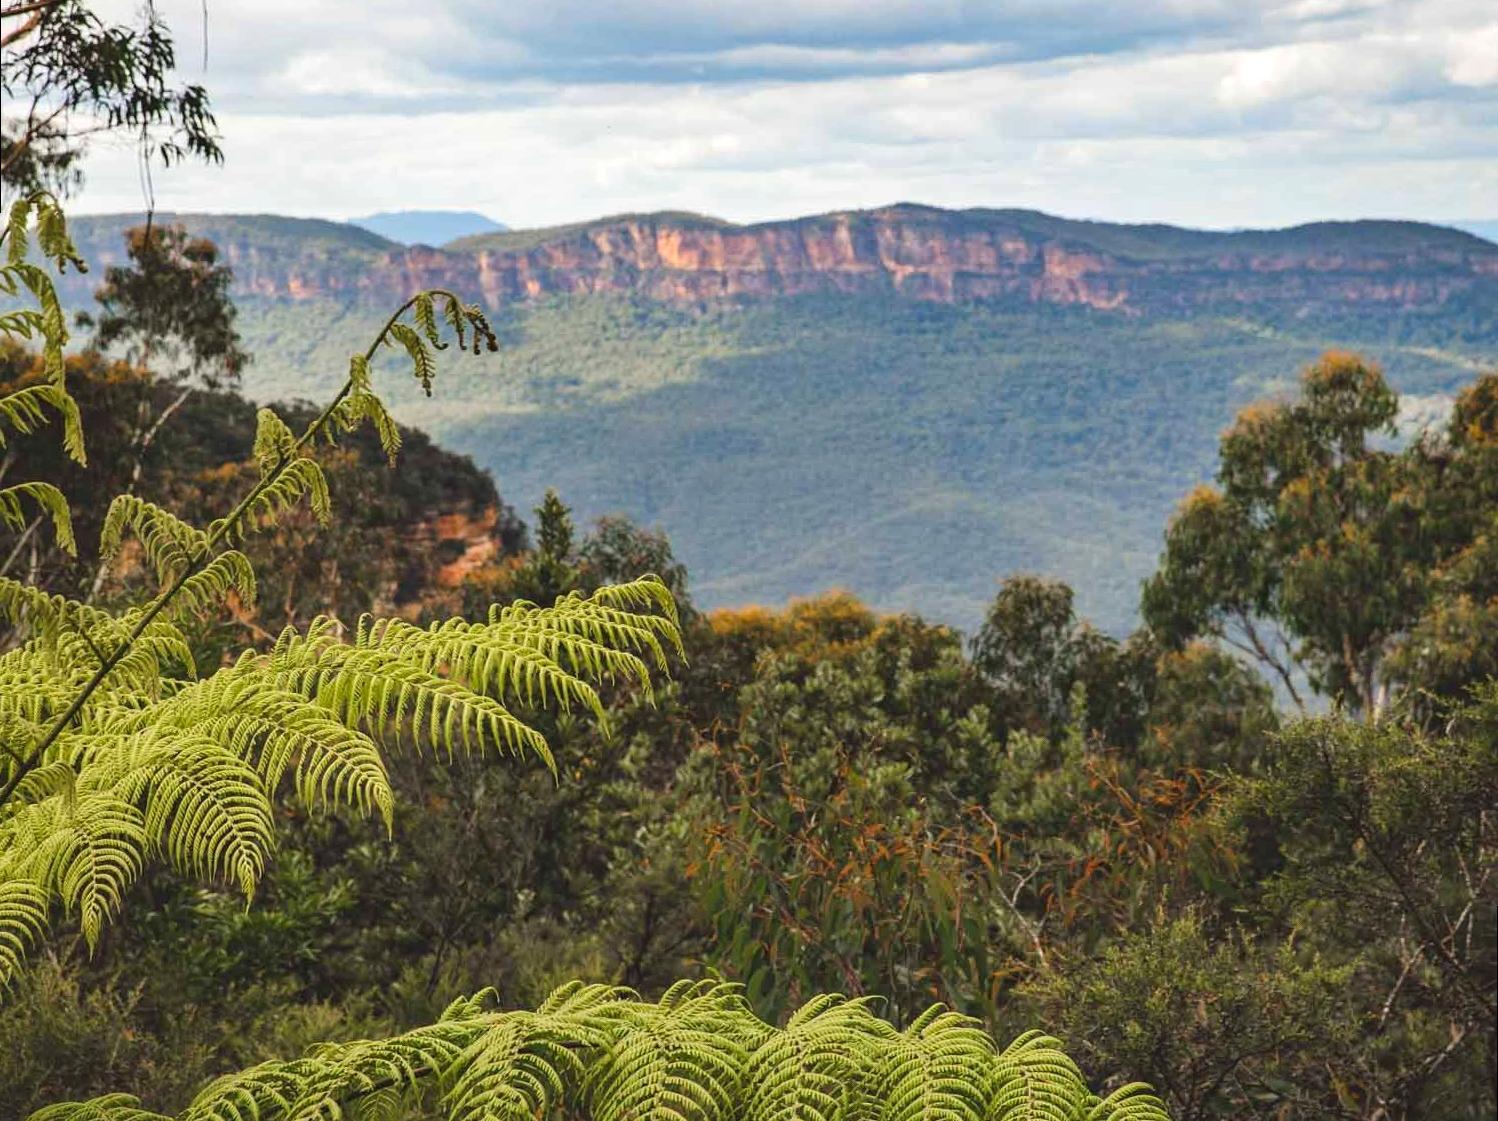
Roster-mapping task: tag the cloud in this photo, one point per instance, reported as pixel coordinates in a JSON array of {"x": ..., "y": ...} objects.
[{"x": 1213, "y": 112}]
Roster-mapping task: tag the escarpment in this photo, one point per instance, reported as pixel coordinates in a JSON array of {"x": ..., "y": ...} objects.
[{"x": 916, "y": 252}]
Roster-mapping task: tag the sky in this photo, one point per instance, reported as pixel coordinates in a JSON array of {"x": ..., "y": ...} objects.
[{"x": 1216, "y": 113}]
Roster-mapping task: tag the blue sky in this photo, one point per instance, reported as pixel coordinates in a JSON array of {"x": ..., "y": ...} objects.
[{"x": 1203, "y": 112}]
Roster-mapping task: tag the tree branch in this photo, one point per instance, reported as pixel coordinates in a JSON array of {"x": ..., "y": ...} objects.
[{"x": 21, "y": 9}]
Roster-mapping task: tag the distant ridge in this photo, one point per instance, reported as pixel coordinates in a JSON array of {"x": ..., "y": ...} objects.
[
  {"x": 1485, "y": 229},
  {"x": 509, "y": 239},
  {"x": 427, "y": 227},
  {"x": 908, "y": 250},
  {"x": 1144, "y": 240}
]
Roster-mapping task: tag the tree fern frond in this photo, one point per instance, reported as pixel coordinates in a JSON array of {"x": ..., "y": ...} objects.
[
  {"x": 187, "y": 769},
  {"x": 1033, "y": 1080},
  {"x": 396, "y": 698},
  {"x": 274, "y": 442},
  {"x": 683, "y": 1059},
  {"x": 423, "y": 366},
  {"x": 25, "y": 411},
  {"x": 210, "y": 585},
  {"x": 51, "y": 229},
  {"x": 112, "y": 1107},
  {"x": 23, "y": 922},
  {"x": 202, "y": 805},
  {"x": 361, "y": 404},
  {"x": 273, "y": 730},
  {"x": 52, "y": 234},
  {"x": 48, "y": 321},
  {"x": 804, "y": 1072},
  {"x": 53, "y": 504},
  {"x": 170, "y": 544},
  {"x": 649, "y": 593},
  {"x": 1133, "y": 1102},
  {"x": 519, "y": 1068},
  {"x": 300, "y": 478},
  {"x": 697, "y": 1054},
  {"x": 931, "y": 1072},
  {"x": 87, "y": 850},
  {"x": 489, "y": 659},
  {"x": 56, "y": 777},
  {"x": 424, "y": 311},
  {"x": 453, "y": 313}
]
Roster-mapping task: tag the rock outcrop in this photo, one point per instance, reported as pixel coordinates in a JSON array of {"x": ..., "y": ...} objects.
[{"x": 912, "y": 251}]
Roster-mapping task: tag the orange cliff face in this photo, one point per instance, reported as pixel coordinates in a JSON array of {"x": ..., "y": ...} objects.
[
  {"x": 885, "y": 251},
  {"x": 911, "y": 251}
]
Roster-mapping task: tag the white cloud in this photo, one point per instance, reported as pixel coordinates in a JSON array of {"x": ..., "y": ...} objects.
[
  {"x": 1177, "y": 111},
  {"x": 1473, "y": 57}
]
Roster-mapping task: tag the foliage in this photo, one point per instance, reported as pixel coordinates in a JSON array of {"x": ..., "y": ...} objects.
[
  {"x": 77, "y": 75},
  {"x": 33, "y": 406},
  {"x": 169, "y": 310},
  {"x": 697, "y": 1053},
  {"x": 117, "y": 754},
  {"x": 1044, "y": 825},
  {"x": 1212, "y": 1021},
  {"x": 613, "y": 551},
  {"x": 1341, "y": 543},
  {"x": 417, "y": 529},
  {"x": 1035, "y": 652},
  {"x": 1390, "y": 863}
]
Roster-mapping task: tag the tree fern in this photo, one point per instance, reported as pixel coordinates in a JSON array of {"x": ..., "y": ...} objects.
[
  {"x": 698, "y": 1054},
  {"x": 117, "y": 753}
]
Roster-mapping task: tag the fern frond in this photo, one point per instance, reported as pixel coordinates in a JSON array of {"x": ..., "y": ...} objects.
[
  {"x": 1134, "y": 1102},
  {"x": 930, "y": 1072},
  {"x": 1033, "y": 1080},
  {"x": 170, "y": 544},
  {"x": 301, "y": 478},
  {"x": 210, "y": 585},
  {"x": 23, "y": 922},
  {"x": 395, "y": 698},
  {"x": 423, "y": 365},
  {"x": 112, "y": 1107},
  {"x": 360, "y": 405},
  {"x": 53, "y": 504},
  {"x": 25, "y": 411},
  {"x": 87, "y": 850},
  {"x": 51, "y": 228},
  {"x": 698, "y": 1054},
  {"x": 490, "y": 660},
  {"x": 683, "y": 1059},
  {"x": 273, "y": 730},
  {"x": 274, "y": 442},
  {"x": 48, "y": 320},
  {"x": 805, "y": 1071},
  {"x": 201, "y": 804},
  {"x": 424, "y": 311}
]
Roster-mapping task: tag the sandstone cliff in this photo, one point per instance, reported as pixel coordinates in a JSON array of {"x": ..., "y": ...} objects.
[{"x": 913, "y": 251}]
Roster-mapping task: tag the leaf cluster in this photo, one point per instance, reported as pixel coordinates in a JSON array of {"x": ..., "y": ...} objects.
[{"x": 697, "y": 1054}]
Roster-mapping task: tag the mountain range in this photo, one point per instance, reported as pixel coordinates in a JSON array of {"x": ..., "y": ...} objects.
[{"x": 908, "y": 401}]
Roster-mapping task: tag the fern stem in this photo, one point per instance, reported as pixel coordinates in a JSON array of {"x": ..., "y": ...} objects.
[{"x": 201, "y": 561}]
